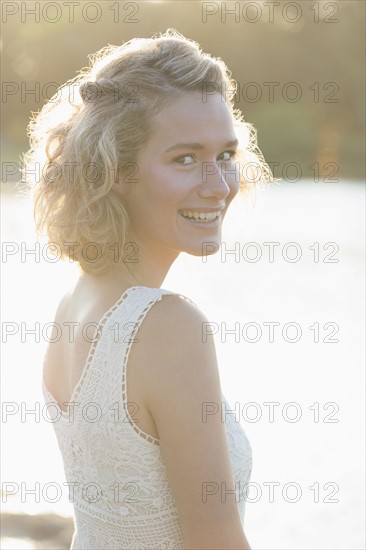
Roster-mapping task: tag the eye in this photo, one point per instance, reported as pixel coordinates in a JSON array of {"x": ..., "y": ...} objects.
[
  {"x": 182, "y": 157},
  {"x": 232, "y": 154}
]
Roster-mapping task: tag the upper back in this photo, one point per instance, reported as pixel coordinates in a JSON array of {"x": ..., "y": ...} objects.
[{"x": 101, "y": 441}]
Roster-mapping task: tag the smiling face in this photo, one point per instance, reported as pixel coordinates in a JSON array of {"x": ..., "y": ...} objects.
[{"x": 188, "y": 165}]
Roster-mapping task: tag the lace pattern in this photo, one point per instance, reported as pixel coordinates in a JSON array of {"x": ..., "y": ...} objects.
[{"x": 116, "y": 474}]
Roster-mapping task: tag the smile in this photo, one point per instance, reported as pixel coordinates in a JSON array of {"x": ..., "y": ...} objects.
[
  {"x": 200, "y": 216},
  {"x": 210, "y": 220}
]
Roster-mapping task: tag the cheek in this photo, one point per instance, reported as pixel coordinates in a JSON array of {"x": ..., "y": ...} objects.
[
  {"x": 146, "y": 201},
  {"x": 157, "y": 202},
  {"x": 167, "y": 188}
]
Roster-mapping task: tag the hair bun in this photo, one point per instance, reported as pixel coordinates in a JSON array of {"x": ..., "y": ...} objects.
[
  {"x": 92, "y": 91},
  {"x": 86, "y": 90}
]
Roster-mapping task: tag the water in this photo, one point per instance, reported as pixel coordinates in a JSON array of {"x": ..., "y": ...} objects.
[{"x": 315, "y": 440}]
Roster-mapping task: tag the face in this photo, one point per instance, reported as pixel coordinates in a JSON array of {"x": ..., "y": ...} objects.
[{"x": 188, "y": 167}]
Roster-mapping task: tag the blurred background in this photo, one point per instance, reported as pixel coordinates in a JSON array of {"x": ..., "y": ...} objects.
[
  {"x": 319, "y": 119},
  {"x": 300, "y": 68}
]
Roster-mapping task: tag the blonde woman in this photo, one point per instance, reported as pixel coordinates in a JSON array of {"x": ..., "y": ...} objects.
[{"x": 142, "y": 154}]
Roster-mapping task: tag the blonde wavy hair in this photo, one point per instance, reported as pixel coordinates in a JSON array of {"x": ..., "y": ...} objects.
[{"x": 89, "y": 134}]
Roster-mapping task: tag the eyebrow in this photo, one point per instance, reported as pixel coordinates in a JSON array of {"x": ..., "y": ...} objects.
[{"x": 232, "y": 143}]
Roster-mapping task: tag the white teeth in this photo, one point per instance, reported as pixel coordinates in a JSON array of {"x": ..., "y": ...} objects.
[{"x": 200, "y": 216}]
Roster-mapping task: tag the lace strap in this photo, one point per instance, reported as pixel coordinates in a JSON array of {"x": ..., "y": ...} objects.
[{"x": 137, "y": 307}]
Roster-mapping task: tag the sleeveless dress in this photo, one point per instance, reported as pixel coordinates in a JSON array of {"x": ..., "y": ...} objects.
[{"x": 115, "y": 472}]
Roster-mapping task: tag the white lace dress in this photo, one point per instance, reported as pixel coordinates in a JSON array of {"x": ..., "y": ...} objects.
[{"x": 117, "y": 478}]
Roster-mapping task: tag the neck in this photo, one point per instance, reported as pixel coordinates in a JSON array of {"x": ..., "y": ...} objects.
[{"x": 140, "y": 266}]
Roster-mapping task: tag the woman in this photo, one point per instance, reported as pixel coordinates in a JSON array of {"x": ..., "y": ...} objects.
[{"x": 142, "y": 155}]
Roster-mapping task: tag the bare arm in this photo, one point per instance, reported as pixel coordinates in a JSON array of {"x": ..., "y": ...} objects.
[{"x": 180, "y": 372}]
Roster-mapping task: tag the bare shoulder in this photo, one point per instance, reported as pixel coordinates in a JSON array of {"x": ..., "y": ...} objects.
[
  {"x": 172, "y": 313},
  {"x": 179, "y": 363},
  {"x": 174, "y": 327},
  {"x": 176, "y": 304}
]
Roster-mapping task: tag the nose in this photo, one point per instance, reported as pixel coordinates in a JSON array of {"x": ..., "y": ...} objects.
[{"x": 214, "y": 181}]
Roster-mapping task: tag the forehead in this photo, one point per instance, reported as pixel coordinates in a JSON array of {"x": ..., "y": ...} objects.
[{"x": 192, "y": 118}]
